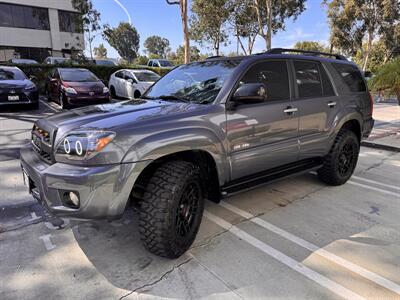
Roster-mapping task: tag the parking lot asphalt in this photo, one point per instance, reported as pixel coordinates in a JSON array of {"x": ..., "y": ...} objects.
[{"x": 297, "y": 239}]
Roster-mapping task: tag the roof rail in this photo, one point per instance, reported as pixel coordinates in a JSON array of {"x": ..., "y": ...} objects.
[
  {"x": 214, "y": 56},
  {"x": 314, "y": 53}
]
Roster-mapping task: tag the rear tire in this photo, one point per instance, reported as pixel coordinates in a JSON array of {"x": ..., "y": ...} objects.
[
  {"x": 137, "y": 94},
  {"x": 341, "y": 161},
  {"x": 171, "y": 209}
]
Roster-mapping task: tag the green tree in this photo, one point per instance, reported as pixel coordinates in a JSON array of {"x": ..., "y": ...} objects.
[
  {"x": 183, "y": 6},
  {"x": 100, "y": 51},
  {"x": 90, "y": 20},
  {"x": 178, "y": 57},
  {"x": 124, "y": 38},
  {"x": 388, "y": 78},
  {"x": 272, "y": 14},
  {"x": 355, "y": 21},
  {"x": 243, "y": 21},
  {"x": 310, "y": 46},
  {"x": 141, "y": 60},
  {"x": 157, "y": 45},
  {"x": 208, "y": 22},
  {"x": 377, "y": 56}
]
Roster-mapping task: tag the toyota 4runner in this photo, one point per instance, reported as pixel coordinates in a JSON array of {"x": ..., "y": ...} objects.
[{"x": 205, "y": 130}]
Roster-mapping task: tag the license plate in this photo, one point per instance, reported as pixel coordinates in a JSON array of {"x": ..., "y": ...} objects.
[{"x": 13, "y": 98}]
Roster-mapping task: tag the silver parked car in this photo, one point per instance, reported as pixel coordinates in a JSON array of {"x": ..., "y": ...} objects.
[{"x": 205, "y": 130}]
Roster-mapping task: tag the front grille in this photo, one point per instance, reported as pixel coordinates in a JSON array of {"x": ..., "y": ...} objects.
[{"x": 42, "y": 144}]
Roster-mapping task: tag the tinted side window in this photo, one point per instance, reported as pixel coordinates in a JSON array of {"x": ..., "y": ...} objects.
[
  {"x": 119, "y": 74},
  {"x": 274, "y": 75},
  {"x": 351, "y": 76},
  {"x": 326, "y": 83},
  {"x": 308, "y": 79}
]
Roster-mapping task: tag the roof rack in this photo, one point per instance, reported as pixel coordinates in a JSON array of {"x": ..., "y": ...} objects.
[
  {"x": 313, "y": 53},
  {"x": 214, "y": 56}
]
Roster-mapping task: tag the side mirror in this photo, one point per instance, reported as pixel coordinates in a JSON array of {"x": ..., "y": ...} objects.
[
  {"x": 131, "y": 80},
  {"x": 32, "y": 78},
  {"x": 250, "y": 93}
]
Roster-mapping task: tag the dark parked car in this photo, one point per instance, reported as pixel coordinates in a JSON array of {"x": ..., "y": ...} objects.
[
  {"x": 17, "y": 89},
  {"x": 23, "y": 61},
  {"x": 205, "y": 130},
  {"x": 75, "y": 87}
]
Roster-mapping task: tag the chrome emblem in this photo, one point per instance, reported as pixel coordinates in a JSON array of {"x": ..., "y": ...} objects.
[
  {"x": 91, "y": 93},
  {"x": 12, "y": 91}
]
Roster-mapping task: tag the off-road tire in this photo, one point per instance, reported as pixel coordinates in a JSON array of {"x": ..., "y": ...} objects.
[
  {"x": 162, "y": 205},
  {"x": 332, "y": 171}
]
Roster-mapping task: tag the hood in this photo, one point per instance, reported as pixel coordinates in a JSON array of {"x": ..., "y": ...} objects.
[
  {"x": 85, "y": 87},
  {"x": 117, "y": 115},
  {"x": 12, "y": 84}
]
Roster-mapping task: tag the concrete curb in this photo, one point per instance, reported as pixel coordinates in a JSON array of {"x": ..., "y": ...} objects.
[{"x": 380, "y": 146}]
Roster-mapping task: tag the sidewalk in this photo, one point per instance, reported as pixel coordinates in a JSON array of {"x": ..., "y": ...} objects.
[{"x": 386, "y": 132}]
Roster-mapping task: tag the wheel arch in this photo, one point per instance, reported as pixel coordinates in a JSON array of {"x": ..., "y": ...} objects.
[{"x": 201, "y": 158}]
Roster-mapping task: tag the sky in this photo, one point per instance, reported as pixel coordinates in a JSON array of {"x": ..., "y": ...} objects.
[{"x": 156, "y": 17}]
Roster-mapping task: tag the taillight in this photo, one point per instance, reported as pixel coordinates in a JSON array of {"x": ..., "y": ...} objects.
[{"x": 371, "y": 100}]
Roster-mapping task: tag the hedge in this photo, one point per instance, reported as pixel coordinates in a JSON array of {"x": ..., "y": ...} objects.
[{"x": 102, "y": 72}]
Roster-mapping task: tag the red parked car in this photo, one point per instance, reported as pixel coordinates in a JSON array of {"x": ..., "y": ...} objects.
[{"x": 75, "y": 87}]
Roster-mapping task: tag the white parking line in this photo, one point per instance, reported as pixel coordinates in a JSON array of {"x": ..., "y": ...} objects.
[
  {"x": 49, "y": 106},
  {"x": 288, "y": 261},
  {"x": 373, "y": 188},
  {"x": 315, "y": 249},
  {"x": 376, "y": 182},
  {"x": 47, "y": 242},
  {"x": 33, "y": 217}
]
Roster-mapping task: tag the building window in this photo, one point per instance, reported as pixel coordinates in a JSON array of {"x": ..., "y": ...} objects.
[
  {"x": 21, "y": 16},
  {"x": 70, "y": 21}
]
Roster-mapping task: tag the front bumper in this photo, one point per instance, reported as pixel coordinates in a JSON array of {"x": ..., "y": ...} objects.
[
  {"x": 87, "y": 100},
  {"x": 103, "y": 190},
  {"x": 23, "y": 98}
]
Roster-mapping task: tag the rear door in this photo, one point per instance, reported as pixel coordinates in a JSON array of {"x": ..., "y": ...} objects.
[
  {"x": 120, "y": 84},
  {"x": 318, "y": 106},
  {"x": 55, "y": 82},
  {"x": 264, "y": 135}
]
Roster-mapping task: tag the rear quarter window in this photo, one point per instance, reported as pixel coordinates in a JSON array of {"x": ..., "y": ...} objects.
[{"x": 351, "y": 76}]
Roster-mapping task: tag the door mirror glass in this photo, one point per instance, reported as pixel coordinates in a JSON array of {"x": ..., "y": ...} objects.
[
  {"x": 250, "y": 93},
  {"x": 131, "y": 80}
]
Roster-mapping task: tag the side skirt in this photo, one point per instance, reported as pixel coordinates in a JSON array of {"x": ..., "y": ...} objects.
[{"x": 269, "y": 176}]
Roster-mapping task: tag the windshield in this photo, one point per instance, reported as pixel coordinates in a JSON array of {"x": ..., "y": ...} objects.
[
  {"x": 77, "y": 75},
  {"x": 11, "y": 74},
  {"x": 165, "y": 63},
  {"x": 198, "y": 82},
  {"x": 146, "y": 76}
]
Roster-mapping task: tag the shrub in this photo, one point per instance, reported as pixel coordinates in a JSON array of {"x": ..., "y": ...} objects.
[
  {"x": 387, "y": 79},
  {"x": 40, "y": 72}
]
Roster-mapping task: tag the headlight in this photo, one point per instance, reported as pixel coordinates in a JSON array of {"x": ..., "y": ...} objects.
[
  {"x": 30, "y": 87},
  {"x": 83, "y": 145},
  {"x": 105, "y": 90},
  {"x": 70, "y": 90}
]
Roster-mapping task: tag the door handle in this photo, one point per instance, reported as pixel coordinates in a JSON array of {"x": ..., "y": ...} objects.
[
  {"x": 290, "y": 110},
  {"x": 331, "y": 104}
]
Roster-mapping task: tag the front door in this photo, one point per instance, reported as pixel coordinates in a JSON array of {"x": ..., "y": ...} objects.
[
  {"x": 264, "y": 135},
  {"x": 318, "y": 106}
]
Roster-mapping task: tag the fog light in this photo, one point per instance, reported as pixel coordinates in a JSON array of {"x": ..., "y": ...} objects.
[{"x": 74, "y": 199}]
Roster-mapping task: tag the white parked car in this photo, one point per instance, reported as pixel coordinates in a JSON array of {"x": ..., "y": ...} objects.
[{"x": 131, "y": 83}]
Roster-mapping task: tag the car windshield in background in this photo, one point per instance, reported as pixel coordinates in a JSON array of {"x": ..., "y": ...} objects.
[
  {"x": 165, "y": 63},
  {"x": 77, "y": 75},
  {"x": 11, "y": 74},
  {"x": 147, "y": 76},
  {"x": 198, "y": 82}
]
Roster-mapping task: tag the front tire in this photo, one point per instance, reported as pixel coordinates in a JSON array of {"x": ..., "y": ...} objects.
[
  {"x": 341, "y": 161},
  {"x": 171, "y": 209}
]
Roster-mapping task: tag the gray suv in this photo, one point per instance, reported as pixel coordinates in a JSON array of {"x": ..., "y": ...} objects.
[{"x": 206, "y": 130}]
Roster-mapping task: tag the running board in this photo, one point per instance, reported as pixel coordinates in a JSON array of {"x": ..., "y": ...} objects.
[{"x": 262, "y": 178}]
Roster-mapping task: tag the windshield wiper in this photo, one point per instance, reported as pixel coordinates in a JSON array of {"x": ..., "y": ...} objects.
[{"x": 173, "y": 98}]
